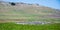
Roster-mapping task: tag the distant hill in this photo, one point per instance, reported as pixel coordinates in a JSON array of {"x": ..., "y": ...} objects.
[{"x": 27, "y": 11}]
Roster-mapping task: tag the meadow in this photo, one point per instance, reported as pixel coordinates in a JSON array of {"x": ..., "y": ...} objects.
[{"x": 13, "y": 26}]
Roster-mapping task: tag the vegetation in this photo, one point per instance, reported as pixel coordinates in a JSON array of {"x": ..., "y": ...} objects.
[{"x": 13, "y": 26}]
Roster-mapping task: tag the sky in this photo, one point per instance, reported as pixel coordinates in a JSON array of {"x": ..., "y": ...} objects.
[{"x": 49, "y": 3}]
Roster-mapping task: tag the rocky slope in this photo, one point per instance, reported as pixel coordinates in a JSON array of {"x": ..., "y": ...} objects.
[{"x": 28, "y": 12}]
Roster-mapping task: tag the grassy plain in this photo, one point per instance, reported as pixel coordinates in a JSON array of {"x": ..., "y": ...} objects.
[{"x": 13, "y": 26}]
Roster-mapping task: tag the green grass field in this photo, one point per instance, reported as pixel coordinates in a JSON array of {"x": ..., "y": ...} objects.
[{"x": 13, "y": 26}]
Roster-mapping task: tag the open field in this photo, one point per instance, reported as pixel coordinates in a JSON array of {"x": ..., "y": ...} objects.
[{"x": 13, "y": 26}]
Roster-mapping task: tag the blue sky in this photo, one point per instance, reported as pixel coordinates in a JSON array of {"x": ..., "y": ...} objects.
[{"x": 49, "y": 3}]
